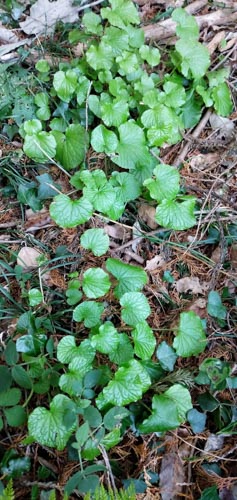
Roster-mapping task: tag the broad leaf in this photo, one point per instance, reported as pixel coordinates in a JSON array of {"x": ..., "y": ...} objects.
[
  {"x": 124, "y": 351},
  {"x": 69, "y": 213},
  {"x": 222, "y": 99},
  {"x": 166, "y": 356},
  {"x": 98, "y": 190},
  {"x": 166, "y": 183},
  {"x": 187, "y": 27},
  {"x": 92, "y": 23},
  {"x": 128, "y": 385},
  {"x": 132, "y": 149},
  {"x": 107, "y": 339},
  {"x": 144, "y": 340},
  {"x": 197, "y": 420},
  {"x": 215, "y": 307},
  {"x": 190, "y": 337},
  {"x": 100, "y": 56},
  {"x": 121, "y": 13},
  {"x": 176, "y": 215},
  {"x": 89, "y": 312},
  {"x": 150, "y": 54},
  {"x": 128, "y": 187},
  {"x": 130, "y": 278},
  {"x": 71, "y": 147},
  {"x": 42, "y": 101},
  {"x": 103, "y": 140},
  {"x": 135, "y": 308},
  {"x": 47, "y": 426},
  {"x": 41, "y": 146},
  {"x": 114, "y": 113},
  {"x": 95, "y": 240},
  {"x": 195, "y": 58},
  {"x": 95, "y": 283},
  {"x": 65, "y": 84},
  {"x": 168, "y": 410},
  {"x": 67, "y": 350}
]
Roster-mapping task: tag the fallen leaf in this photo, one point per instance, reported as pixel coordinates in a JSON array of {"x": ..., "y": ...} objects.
[
  {"x": 147, "y": 214},
  {"x": 204, "y": 161},
  {"x": 199, "y": 307},
  {"x": 28, "y": 257},
  {"x": 154, "y": 263},
  {"x": 7, "y": 36},
  {"x": 233, "y": 256},
  {"x": 191, "y": 284},
  {"x": 225, "y": 127},
  {"x": 118, "y": 232},
  {"x": 44, "y": 15},
  {"x": 216, "y": 255},
  {"x": 171, "y": 476},
  {"x": 37, "y": 220},
  {"x": 137, "y": 238}
]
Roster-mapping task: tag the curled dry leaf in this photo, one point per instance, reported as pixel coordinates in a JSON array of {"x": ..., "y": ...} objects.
[
  {"x": 204, "y": 161},
  {"x": 191, "y": 284},
  {"x": 28, "y": 257},
  {"x": 154, "y": 263},
  {"x": 117, "y": 232},
  {"x": 147, "y": 214},
  {"x": 45, "y": 14}
]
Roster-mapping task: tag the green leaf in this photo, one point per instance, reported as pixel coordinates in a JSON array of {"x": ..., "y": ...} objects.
[
  {"x": 41, "y": 146},
  {"x": 11, "y": 397},
  {"x": 215, "y": 307},
  {"x": 128, "y": 63},
  {"x": 119, "y": 392},
  {"x": 130, "y": 278},
  {"x": 187, "y": 27},
  {"x": 121, "y": 13},
  {"x": 114, "y": 417},
  {"x": 45, "y": 191},
  {"x": 82, "y": 434},
  {"x": 166, "y": 356},
  {"x": 190, "y": 337},
  {"x": 82, "y": 89},
  {"x": 107, "y": 339},
  {"x": 65, "y": 84},
  {"x": 195, "y": 58},
  {"x": 95, "y": 283},
  {"x": 67, "y": 349},
  {"x": 197, "y": 420},
  {"x": 15, "y": 416},
  {"x": 222, "y": 99},
  {"x": 175, "y": 95},
  {"x": 11, "y": 356},
  {"x": 111, "y": 439},
  {"x": 92, "y": 416},
  {"x": 144, "y": 340},
  {"x": 117, "y": 39},
  {"x": 166, "y": 185},
  {"x": 71, "y": 147},
  {"x": 89, "y": 312},
  {"x": 168, "y": 410},
  {"x": 5, "y": 378},
  {"x": 69, "y": 213},
  {"x": 175, "y": 215},
  {"x": 21, "y": 377},
  {"x": 114, "y": 113},
  {"x": 103, "y": 140},
  {"x": 35, "y": 297},
  {"x": 209, "y": 494},
  {"x": 132, "y": 149},
  {"x": 124, "y": 351},
  {"x": 128, "y": 187},
  {"x": 98, "y": 190},
  {"x": 135, "y": 308},
  {"x": 92, "y": 23},
  {"x": 150, "y": 54},
  {"x": 47, "y": 426},
  {"x": 32, "y": 127},
  {"x": 100, "y": 56},
  {"x": 42, "y": 101},
  {"x": 42, "y": 66},
  {"x": 95, "y": 240}
]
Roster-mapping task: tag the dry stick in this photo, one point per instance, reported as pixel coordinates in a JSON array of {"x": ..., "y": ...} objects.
[
  {"x": 88, "y": 5},
  {"x": 180, "y": 158},
  {"x": 205, "y": 453}
]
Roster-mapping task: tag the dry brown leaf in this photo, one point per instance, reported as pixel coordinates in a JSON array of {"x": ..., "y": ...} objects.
[
  {"x": 204, "y": 161},
  {"x": 171, "y": 476},
  {"x": 37, "y": 220},
  {"x": 199, "y": 307},
  {"x": 190, "y": 284},
  {"x": 45, "y": 14},
  {"x": 147, "y": 214},
  {"x": 154, "y": 263},
  {"x": 7, "y": 36},
  {"x": 233, "y": 256},
  {"x": 118, "y": 232},
  {"x": 28, "y": 257},
  {"x": 216, "y": 255}
]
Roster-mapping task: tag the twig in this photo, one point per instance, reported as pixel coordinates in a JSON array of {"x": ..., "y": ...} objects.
[
  {"x": 88, "y": 5},
  {"x": 194, "y": 135},
  {"x": 107, "y": 463},
  {"x": 130, "y": 242}
]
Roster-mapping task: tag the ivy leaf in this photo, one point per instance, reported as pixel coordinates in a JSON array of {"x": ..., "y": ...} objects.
[
  {"x": 95, "y": 283},
  {"x": 222, "y": 99},
  {"x": 166, "y": 185},
  {"x": 128, "y": 187},
  {"x": 92, "y": 23},
  {"x": 114, "y": 113},
  {"x": 42, "y": 101},
  {"x": 187, "y": 28},
  {"x": 41, "y": 146},
  {"x": 65, "y": 84},
  {"x": 190, "y": 337},
  {"x": 195, "y": 58},
  {"x": 144, "y": 340},
  {"x": 121, "y": 13},
  {"x": 166, "y": 356},
  {"x": 103, "y": 140},
  {"x": 69, "y": 213},
  {"x": 47, "y": 426},
  {"x": 98, "y": 190},
  {"x": 175, "y": 215},
  {"x": 119, "y": 392},
  {"x": 132, "y": 149},
  {"x": 100, "y": 56},
  {"x": 130, "y": 278},
  {"x": 95, "y": 240},
  {"x": 71, "y": 147},
  {"x": 168, "y": 410},
  {"x": 150, "y": 54},
  {"x": 135, "y": 307},
  {"x": 107, "y": 339},
  {"x": 197, "y": 420},
  {"x": 89, "y": 312}
]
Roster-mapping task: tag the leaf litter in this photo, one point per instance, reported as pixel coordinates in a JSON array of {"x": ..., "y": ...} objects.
[{"x": 190, "y": 267}]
